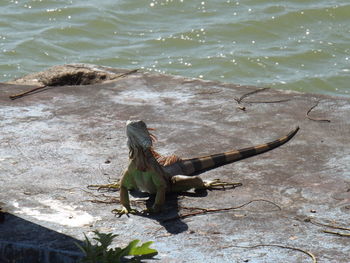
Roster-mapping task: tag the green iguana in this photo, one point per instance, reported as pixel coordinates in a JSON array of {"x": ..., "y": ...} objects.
[{"x": 150, "y": 172}]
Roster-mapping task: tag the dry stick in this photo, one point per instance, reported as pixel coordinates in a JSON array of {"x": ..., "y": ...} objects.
[
  {"x": 337, "y": 233},
  {"x": 112, "y": 186},
  {"x": 113, "y": 200},
  {"x": 125, "y": 74},
  {"x": 312, "y": 118},
  {"x": 106, "y": 187},
  {"x": 110, "y": 201},
  {"x": 326, "y": 225},
  {"x": 310, "y": 220},
  {"x": 268, "y": 101},
  {"x": 207, "y": 92},
  {"x": 19, "y": 95},
  {"x": 330, "y": 226},
  {"x": 206, "y": 211},
  {"x": 314, "y": 260},
  {"x": 239, "y": 100}
]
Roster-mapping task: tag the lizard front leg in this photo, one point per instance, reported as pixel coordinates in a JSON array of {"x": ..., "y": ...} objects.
[
  {"x": 124, "y": 200},
  {"x": 126, "y": 183}
]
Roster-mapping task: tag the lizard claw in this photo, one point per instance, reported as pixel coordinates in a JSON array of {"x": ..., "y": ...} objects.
[
  {"x": 215, "y": 184},
  {"x": 124, "y": 211}
]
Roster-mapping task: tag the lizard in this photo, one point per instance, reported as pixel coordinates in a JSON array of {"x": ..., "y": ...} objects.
[{"x": 150, "y": 172}]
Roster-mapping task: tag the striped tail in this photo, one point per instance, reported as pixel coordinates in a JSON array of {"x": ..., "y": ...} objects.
[{"x": 202, "y": 164}]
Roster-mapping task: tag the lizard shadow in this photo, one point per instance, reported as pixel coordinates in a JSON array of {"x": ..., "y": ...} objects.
[{"x": 169, "y": 218}]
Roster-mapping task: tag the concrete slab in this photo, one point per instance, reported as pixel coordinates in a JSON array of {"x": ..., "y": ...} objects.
[{"x": 57, "y": 140}]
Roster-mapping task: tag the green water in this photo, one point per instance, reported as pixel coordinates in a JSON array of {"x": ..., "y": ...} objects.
[{"x": 299, "y": 45}]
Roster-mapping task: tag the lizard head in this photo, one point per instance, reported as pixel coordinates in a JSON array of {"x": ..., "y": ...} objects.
[
  {"x": 139, "y": 140},
  {"x": 139, "y": 135}
]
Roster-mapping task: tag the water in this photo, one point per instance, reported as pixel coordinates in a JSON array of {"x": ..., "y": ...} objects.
[{"x": 299, "y": 45}]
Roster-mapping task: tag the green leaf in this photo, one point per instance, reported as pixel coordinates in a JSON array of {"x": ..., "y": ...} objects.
[
  {"x": 100, "y": 253},
  {"x": 126, "y": 251},
  {"x": 104, "y": 239},
  {"x": 92, "y": 252},
  {"x": 143, "y": 250}
]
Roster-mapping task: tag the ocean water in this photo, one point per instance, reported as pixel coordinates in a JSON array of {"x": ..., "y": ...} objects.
[{"x": 296, "y": 44}]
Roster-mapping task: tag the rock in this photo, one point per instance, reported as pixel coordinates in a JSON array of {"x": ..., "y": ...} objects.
[{"x": 54, "y": 140}]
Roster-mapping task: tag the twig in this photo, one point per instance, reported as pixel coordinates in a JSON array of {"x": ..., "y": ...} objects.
[
  {"x": 337, "y": 233},
  {"x": 239, "y": 100},
  {"x": 106, "y": 187},
  {"x": 112, "y": 200},
  {"x": 314, "y": 260},
  {"x": 310, "y": 220},
  {"x": 96, "y": 196},
  {"x": 268, "y": 101},
  {"x": 313, "y": 118},
  {"x": 208, "y": 92},
  {"x": 115, "y": 186},
  {"x": 326, "y": 225},
  {"x": 206, "y": 210},
  {"x": 125, "y": 74},
  {"x": 194, "y": 208},
  {"x": 22, "y": 94},
  {"x": 109, "y": 199}
]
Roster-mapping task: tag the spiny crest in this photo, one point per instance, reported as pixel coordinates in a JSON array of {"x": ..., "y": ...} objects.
[
  {"x": 165, "y": 160},
  {"x": 162, "y": 160},
  {"x": 153, "y": 137}
]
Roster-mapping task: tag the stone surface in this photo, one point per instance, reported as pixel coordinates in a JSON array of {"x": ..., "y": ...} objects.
[{"x": 57, "y": 140}]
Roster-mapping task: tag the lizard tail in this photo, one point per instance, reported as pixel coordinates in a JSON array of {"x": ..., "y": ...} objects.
[{"x": 202, "y": 164}]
